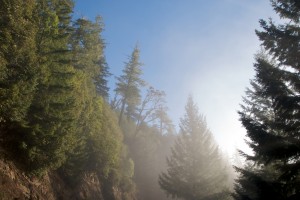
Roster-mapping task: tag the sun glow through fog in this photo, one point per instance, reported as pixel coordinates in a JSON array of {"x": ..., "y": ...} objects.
[{"x": 187, "y": 49}]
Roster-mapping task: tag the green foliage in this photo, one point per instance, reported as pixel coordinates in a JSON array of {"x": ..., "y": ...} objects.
[
  {"x": 195, "y": 169},
  {"x": 99, "y": 136},
  {"x": 53, "y": 92},
  {"x": 128, "y": 86},
  {"x": 104, "y": 142},
  {"x": 88, "y": 55},
  {"x": 18, "y": 60},
  {"x": 53, "y": 87},
  {"x": 258, "y": 183},
  {"x": 100, "y": 144},
  {"x": 53, "y": 113},
  {"x": 271, "y": 110},
  {"x": 121, "y": 177},
  {"x": 48, "y": 91}
]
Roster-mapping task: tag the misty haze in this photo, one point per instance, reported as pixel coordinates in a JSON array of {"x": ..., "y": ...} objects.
[{"x": 149, "y": 100}]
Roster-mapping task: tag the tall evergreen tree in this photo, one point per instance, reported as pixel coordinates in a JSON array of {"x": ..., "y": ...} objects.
[
  {"x": 54, "y": 112},
  {"x": 98, "y": 138},
  {"x": 128, "y": 85},
  {"x": 88, "y": 52},
  {"x": 18, "y": 60},
  {"x": 195, "y": 168},
  {"x": 101, "y": 79},
  {"x": 271, "y": 111}
]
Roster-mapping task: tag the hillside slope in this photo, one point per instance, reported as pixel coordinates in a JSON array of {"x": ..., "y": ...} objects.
[{"x": 14, "y": 184}]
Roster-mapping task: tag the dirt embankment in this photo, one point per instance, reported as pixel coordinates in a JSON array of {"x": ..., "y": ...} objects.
[{"x": 14, "y": 184}]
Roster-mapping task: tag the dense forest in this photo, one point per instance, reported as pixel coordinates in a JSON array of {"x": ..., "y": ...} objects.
[{"x": 59, "y": 117}]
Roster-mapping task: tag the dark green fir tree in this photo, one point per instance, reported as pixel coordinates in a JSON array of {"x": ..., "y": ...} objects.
[
  {"x": 88, "y": 52},
  {"x": 128, "y": 86},
  {"x": 98, "y": 138},
  {"x": 18, "y": 62},
  {"x": 53, "y": 114},
  {"x": 271, "y": 111}
]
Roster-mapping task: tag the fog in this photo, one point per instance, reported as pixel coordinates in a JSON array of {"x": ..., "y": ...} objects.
[
  {"x": 203, "y": 49},
  {"x": 140, "y": 99}
]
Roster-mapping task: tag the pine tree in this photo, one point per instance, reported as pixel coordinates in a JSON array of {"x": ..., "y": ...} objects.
[
  {"x": 18, "y": 61},
  {"x": 195, "y": 170},
  {"x": 88, "y": 52},
  {"x": 271, "y": 111},
  {"x": 98, "y": 138},
  {"x": 53, "y": 114},
  {"x": 128, "y": 85},
  {"x": 258, "y": 183},
  {"x": 101, "y": 81}
]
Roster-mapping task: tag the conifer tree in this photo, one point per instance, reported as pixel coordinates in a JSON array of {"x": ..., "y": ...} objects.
[
  {"x": 98, "y": 138},
  {"x": 101, "y": 81},
  {"x": 53, "y": 114},
  {"x": 18, "y": 60},
  {"x": 271, "y": 111},
  {"x": 195, "y": 169},
  {"x": 128, "y": 85},
  {"x": 88, "y": 52}
]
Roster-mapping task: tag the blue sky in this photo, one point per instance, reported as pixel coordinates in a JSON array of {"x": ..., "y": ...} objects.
[{"x": 199, "y": 47}]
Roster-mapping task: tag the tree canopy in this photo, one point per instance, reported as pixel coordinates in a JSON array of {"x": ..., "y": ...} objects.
[{"x": 55, "y": 116}]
